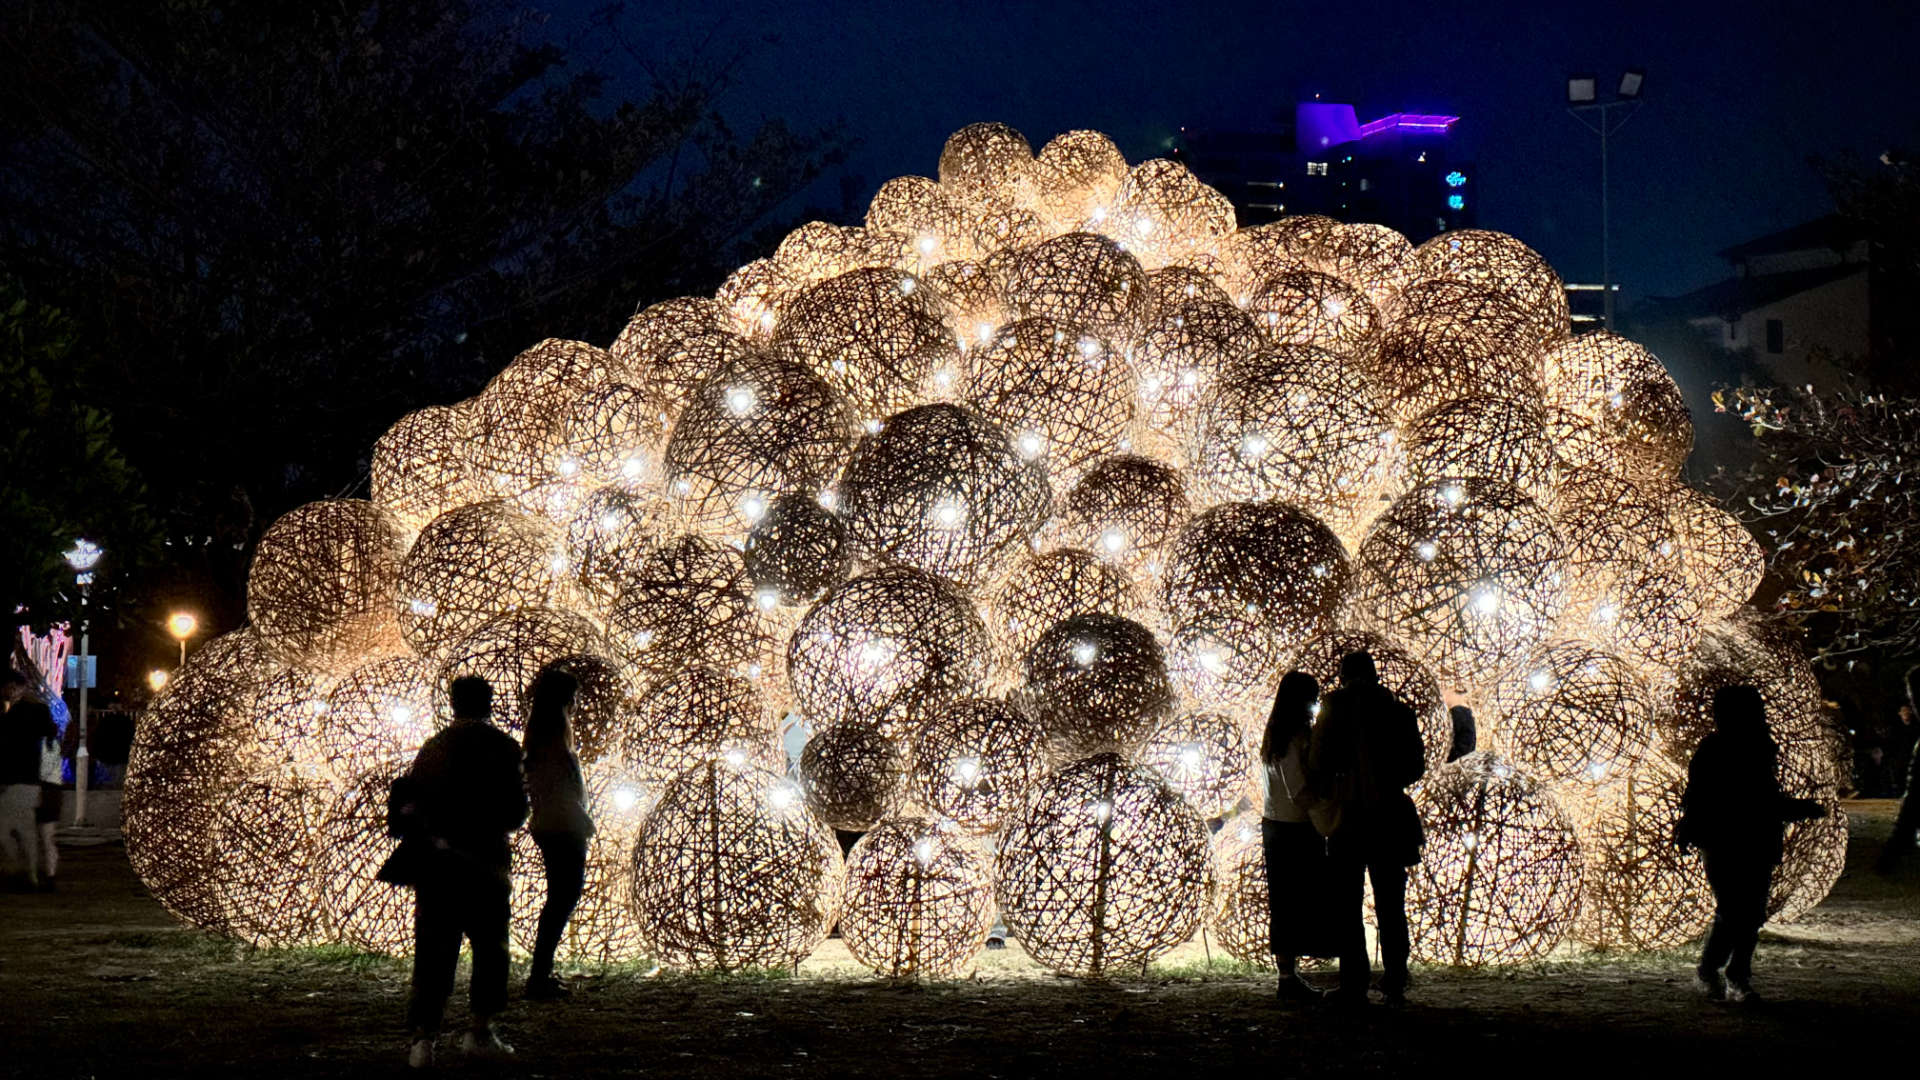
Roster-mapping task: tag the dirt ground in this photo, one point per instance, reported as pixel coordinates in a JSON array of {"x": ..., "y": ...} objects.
[{"x": 98, "y": 981}]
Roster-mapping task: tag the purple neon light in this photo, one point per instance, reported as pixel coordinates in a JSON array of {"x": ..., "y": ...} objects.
[{"x": 1413, "y": 121}]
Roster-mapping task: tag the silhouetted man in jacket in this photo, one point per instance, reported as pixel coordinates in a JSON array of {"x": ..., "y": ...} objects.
[{"x": 1900, "y": 844}]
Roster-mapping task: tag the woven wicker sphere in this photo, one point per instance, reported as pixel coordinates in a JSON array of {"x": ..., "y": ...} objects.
[
  {"x": 1043, "y": 589},
  {"x": 1410, "y": 680},
  {"x": 1724, "y": 561},
  {"x": 874, "y": 335},
  {"x": 1578, "y": 444},
  {"x": 1176, "y": 286},
  {"x": 730, "y": 871},
  {"x": 975, "y": 760},
  {"x": 1495, "y": 438},
  {"x": 1652, "y": 617},
  {"x": 1097, "y": 683},
  {"x": 366, "y": 913},
  {"x": 1076, "y": 176},
  {"x": 1453, "y": 340},
  {"x": 796, "y": 551},
  {"x": 1305, "y": 307},
  {"x": 1815, "y": 857},
  {"x": 473, "y": 563},
  {"x": 1164, "y": 214},
  {"x": 1611, "y": 529},
  {"x": 1571, "y": 714},
  {"x": 1642, "y": 892},
  {"x": 1650, "y": 420},
  {"x": 699, "y": 714},
  {"x": 1239, "y": 917},
  {"x": 417, "y": 471},
  {"x": 1207, "y": 757},
  {"x": 611, "y": 534},
  {"x": 886, "y": 648},
  {"x": 1731, "y": 654},
  {"x": 1066, "y": 397},
  {"x": 1226, "y": 663},
  {"x": 760, "y": 427},
  {"x": 1372, "y": 258},
  {"x": 941, "y": 489},
  {"x": 1586, "y": 372},
  {"x": 602, "y": 930},
  {"x": 1500, "y": 879},
  {"x": 1182, "y": 351},
  {"x": 1253, "y": 256},
  {"x": 673, "y": 346},
  {"x": 752, "y": 301},
  {"x": 379, "y": 714},
  {"x": 511, "y": 649},
  {"x": 1266, "y": 562},
  {"x": 289, "y": 718},
  {"x": 987, "y": 165},
  {"x": 819, "y": 250},
  {"x": 1084, "y": 279},
  {"x": 320, "y": 592},
  {"x": 690, "y": 600},
  {"x": 1298, "y": 424},
  {"x": 1105, "y": 868},
  {"x": 919, "y": 899},
  {"x": 1125, "y": 510},
  {"x": 938, "y": 226},
  {"x": 1497, "y": 261},
  {"x": 971, "y": 304},
  {"x": 1007, "y": 230},
  {"x": 512, "y": 433},
  {"x": 615, "y": 435},
  {"x": 1468, "y": 573},
  {"x": 853, "y": 775},
  {"x": 266, "y": 831}
]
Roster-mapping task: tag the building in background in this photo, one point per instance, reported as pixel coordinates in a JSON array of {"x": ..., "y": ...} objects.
[{"x": 1398, "y": 170}]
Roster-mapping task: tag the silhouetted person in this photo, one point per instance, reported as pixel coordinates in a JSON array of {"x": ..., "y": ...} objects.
[
  {"x": 1366, "y": 753},
  {"x": 560, "y": 824},
  {"x": 20, "y": 737},
  {"x": 1296, "y": 853},
  {"x": 1736, "y": 814},
  {"x": 1465, "y": 734},
  {"x": 454, "y": 809},
  {"x": 1907, "y": 822},
  {"x": 46, "y": 815}
]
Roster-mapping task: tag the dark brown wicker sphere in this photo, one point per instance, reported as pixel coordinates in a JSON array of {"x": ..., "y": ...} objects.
[
  {"x": 1266, "y": 562},
  {"x": 1052, "y": 387},
  {"x": 321, "y": 590},
  {"x": 1412, "y": 681},
  {"x": 1043, "y": 589},
  {"x": 1240, "y": 915},
  {"x": 730, "y": 871},
  {"x": 1209, "y": 758},
  {"x": 975, "y": 760},
  {"x": 379, "y": 714},
  {"x": 1182, "y": 351},
  {"x": 1724, "y": 561},
  {"x": 752, "y": 302},
  {"x": 1176, "y": 286},
  {"x": 1586, "y": 373},
  {"x": 1571, "y": 714},
  {"x": 1227, "y": 663},
  {"x": 615, "y": 435},
  {"x": 418, "y": 471},
  {"x": 1453, "y": 340},
  {"x": 1815, "y": 857},
  {"x": 512, "y": 648},
  {"x": 1105, "y": 869},
  {"x": 1494, "y": 438},
  {"x": 1254, "y": 255},
  {"x": 987, "y": 164},
  {"x": 1500, "y": 879},
  {"x": 1372, "y": 258},
  {"x": 1642, "y": 892},
  {"x": 853, "y": 775},
  {"x": 919, "y": 899},
  {"x": 887, "y": 648},
  {"x": 1650, "y": 420},
  {"x": 611, "y": 534},
  {"x": 796, "y": 551},
  {"x": 690, "y": 601},
  {"x": 473, "y": 563},
  {"x": 1612, "y": 529},
  {"x": 1306, "y": 307},
  {"x": 937, "y": 226},
  {"x": 1076, "y": 176},
  {"x": 366, "y": 913},
  {"x": 941, "y": 489},
  {"x": 874, "y": 335},
  {"x": 695, "y": 715},
  {"x": 1007, "y": 230},
  {"x": 971, "y": 305},
  {"x": 1298, "y": 424},
  {"x": 266, "y": 831},
  {"x": 1499, "y": 262},
  {"x": 669, "y": 349},
  {"x": 1097, "y": 683},
  {"x": 757, "y": 429},
  {"x": 1164, "y": 215},
  {"x": 602, "y": 930},
  {"x": 512, "y": 433},
  {"x": 1470, "y": 574},
  {"x": 1125, "y": 510},
  {"x": 1083, "y": 279}
]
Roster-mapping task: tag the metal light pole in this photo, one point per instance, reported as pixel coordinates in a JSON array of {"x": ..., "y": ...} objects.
[
  {"x": 82, "y": 558},
  {"x": 1583, "y": 99}
]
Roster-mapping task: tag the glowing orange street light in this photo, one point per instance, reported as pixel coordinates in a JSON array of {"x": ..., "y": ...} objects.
[
  {"x": 181, "y": 625},
  {"x": 157, "y": 680}
]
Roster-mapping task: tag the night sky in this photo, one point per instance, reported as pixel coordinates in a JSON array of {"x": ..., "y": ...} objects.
[{"x": 1739, "y": 95}]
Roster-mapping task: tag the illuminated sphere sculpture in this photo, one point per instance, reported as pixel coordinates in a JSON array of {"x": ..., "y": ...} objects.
[
  {"x": 1266, "y": 562},
  {"x": 1499, "y": 262},
  {"x": 1105, "y": 869},
  {"x": 1064, "y": 396},
  {"x": 367, "y": 913},
  {"x": 512, "y": 433},
  {"x": 1226, "y": 662},
  {"x": 690, "y": 601},
  {"x": 1453, "y": 340},
  {"x": 1082, "y": 279},
  {"x": 1650, "y": 420},
  {"x": 1372, "y": 258},
  {"x": 1412, "y": 681},
  {"x": 614, "y": 435},
  {"x": 1125, "y": 510},
  {"x": 321, "y": 590},
  {"x": 938, "y": 227},
  {"x": 919, "y": 899},
  {"x": 1469, "y": 573},
  {"x": 1494, "y": 438},
  {"x": 1165, "y": 215},
  {"x": 1500, "y": 878},
  {"x": 674, "y": 346},
  {"x": 471, "y": 564},
  {"x": 1303, "y": 307},
  {"x": 1075, "y": 176},
  {"x": 1182, "y": 351},
  {"x": 1571, "y": 714},
  {"x": 853, "y": 775},
  {"x": 1642, "y": 892},
  {"x": 1207, "y": 757},
  {"x": 1097, "y": 683},
  {"x": 886, "y": 648},
  {"x": 287, "y": 716},
  {"x": 941, "y": 489},
  {"x": 379, "y": 715},
  {"x": 1254, "y": 256},
  {"x": 971, "y": 304},
  {"x": 1814, "y": 858},
  {"x": 417, "y": 470},
  {"x": 975, "y": 760},
  {"x": 267, "y": 831},
  {"x": 875, "y": 336},
  {"x": 1730, "y": 654},
  {"x": 1172, "y": 287},
  {"x": 1044, "y": 589},
  {"x": 1586, "y": 373},
  {"x": 693, "y": 716},
  {"x": 602, "y": 930},
  {"x": 730, "y": 871},
  {"x": 986, "y": 164},
  {"x": 510, "y": 650},
  {"x": 610, "y": 536},
  {"x": 796, "y": 551},
  {"x": 1725, "y": 564}
]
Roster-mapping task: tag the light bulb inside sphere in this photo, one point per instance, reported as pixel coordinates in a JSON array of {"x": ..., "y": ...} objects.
[
  {"x": 734, "y": 757},
  {"x": 783, "y": 796},
  {"x": 1253, "y": 447},
  {"x": 923, "y": 851},
  {"x": 949, "y": 514},
  {"x": 1113, "y": 541},
  {"x": 1084, "y": 653},
  {"x": 767, "y": 599},
  {"x": 967, "y": 771},
  {"x": 1539, "y": 681},
  {"x": 753, "y": 508},
  {"x": 1101, "y": 810},
  {"x": 1453, "y": 495},
  {"x": 1427, "y": 550},
  {"x": 740, "y": 400},
  {"x": 1031, "y": 444},
  {"x": 1486, "y": 600},
  {"x": 1190, "y": 757},
  {"x": 625, "y": 798}
]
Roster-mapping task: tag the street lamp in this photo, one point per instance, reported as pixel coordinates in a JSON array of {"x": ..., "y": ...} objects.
[
  {"x": 83, "y": 557},
  {"x": 182, "y": 625},
  {"x": 157, "y": 679},
  {"x": 1598, "y": 116}
]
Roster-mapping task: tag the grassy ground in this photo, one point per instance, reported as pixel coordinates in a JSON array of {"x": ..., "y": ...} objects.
[{"x": 98, "y": 981}]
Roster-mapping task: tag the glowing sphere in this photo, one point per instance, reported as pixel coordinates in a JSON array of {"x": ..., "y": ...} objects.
[
  {"x": 1641, "y": 891},
  {"x": 367, "y": 913},
  {"x": 417, "y": 471},
  {"x": 987, "y": 164},
  {"x": 1253, "y": 256},
  {"x": 971, "y": 304},
  {"x": 511, "y": 649},
  {"x": 1043, "y": 589},
  {"x": 1076, "y": 176},
  {"x": 1725, "y": 564},
  {"x": 320, "y": 592},
  {"x": 690, "y": 601},
  {"x": 1182, "y": 351},
  {"x": 974, "y": 761},
  {"x": 1586, "y": 373},
  {"x": 875, "y": 335},
  {"x": 610, "y": 536},
  {"x": 1267, "y": 563},
  {"x": 938, "y": 227},
  {"x": 379, "y": 715},
  {"x": 671, "y": 347},
  {"x": 1208, "y": 758},
  {"x": 853, "y": 775},
  {"x": 752, "y": 301},
  {"x": 1125, "y": 510},
  {"x": 796, "y": 551},
  {"x": 473, "y": 563},
  {"x": 1304, "y": 307},
  {"x": 1043, "y": 381},
  {"x": 1571, "y": 714},
  {"x": 1499, "y": 262},
  {"x": 1083, "y": 279},
  {"x": 615, "y": 435},
  {"x": 919, "y": 899},
  {"x": 1453, "y": 340},
  {"x": 513, "y": 433},
  {"x": 267, "y": 831},
  {"x": 1097, "y": 682},
  {"x": 1372, "y": 258},
  {"x": 1164, "y": 215},
  {"x": 696, "y": 715},
  {"x": 1493, "y": 438}
]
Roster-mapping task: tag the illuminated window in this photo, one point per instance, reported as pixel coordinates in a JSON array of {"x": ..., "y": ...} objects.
[{"x": 1316, "y": 168}]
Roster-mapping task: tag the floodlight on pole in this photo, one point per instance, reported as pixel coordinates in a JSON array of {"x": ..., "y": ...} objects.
[
  {"x": 1583, "y": 98},
  {"x": 1582, "y": 89},
  {"x": 1630, "y": 82}
]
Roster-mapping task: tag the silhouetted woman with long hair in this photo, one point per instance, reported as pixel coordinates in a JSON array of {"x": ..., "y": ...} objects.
[
  {"x": 559, "y": 821},
  {"x": 1296, "y": 854}
]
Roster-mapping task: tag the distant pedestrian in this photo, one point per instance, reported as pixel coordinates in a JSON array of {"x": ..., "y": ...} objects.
[
  {"x": 20, "y": 737},
  {"x": 1907, "y": 822},
  {"x": 453, "y": 811},
  {"x": 1366, "y": 752},
  {"x": 1465, "y": 733},
  {"x": 47, "y": 814},
  {"x": 1296, "y": 853},
  {"x": 1736, "y": 814},
  {"x": 560, "y": 823}
]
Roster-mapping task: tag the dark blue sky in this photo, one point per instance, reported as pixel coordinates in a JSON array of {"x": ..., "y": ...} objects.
[{"x": 1739, "y": 95}]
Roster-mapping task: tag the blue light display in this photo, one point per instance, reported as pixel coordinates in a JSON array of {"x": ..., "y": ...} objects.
[
  {"x": 1456, "y": 202},
  {"x": 1456, "y": 178}
]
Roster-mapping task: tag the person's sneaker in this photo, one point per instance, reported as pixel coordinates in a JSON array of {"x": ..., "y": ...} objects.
[
  {"x": 1709, "y": 985},
  {"x": 1741, "y": 992},
  {"x": 547, "y": 989},
  {"x": 1294, "y": 990},
  {"x": 484, "y": 1044},
  {"x": 420, "y": 1054}
]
